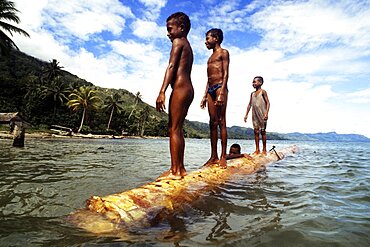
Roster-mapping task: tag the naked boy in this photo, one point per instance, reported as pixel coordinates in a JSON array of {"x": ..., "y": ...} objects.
[{"x": 178, "y": 76}]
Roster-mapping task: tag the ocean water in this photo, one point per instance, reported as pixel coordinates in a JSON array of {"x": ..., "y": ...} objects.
[{"x": 317, "y": 197}]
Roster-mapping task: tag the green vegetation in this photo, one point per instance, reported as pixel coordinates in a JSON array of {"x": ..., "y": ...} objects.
[
  {"x": 46, "y": 95},
  {"x": 8, "y": 13}
]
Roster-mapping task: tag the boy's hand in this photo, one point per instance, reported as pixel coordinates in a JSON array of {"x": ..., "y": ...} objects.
[
  {"x": 245, "y": 118},
  {"x": 220, "y": 99},
  {"x": 265, "y": 117},
  {"x": 160, "y": 103},
  {"x": 203, "y": 103}
]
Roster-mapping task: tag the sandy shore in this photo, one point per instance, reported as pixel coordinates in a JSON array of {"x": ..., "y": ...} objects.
[{"x": 7, "y": 135}]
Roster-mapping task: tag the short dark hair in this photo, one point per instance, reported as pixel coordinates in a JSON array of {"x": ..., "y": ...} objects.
[
  {"x": 181, "y": 19},
  {"x": 236, "y": 145},
  {"x": 260, "y": 78},
  {"x": 217, "y": 33}
]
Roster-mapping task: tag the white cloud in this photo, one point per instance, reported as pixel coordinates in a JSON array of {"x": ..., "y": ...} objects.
[
  {"x": 83, "y": 18},
  {"x": 359, "y": 97},
  {"x": 143, "y": 56},
  {"x": 30, "y": 19},
  {"x": 153, "y": 8},
  {"x": 309, "y": 25},
  {"x": 148, "y": 29},
  {"x": 43, "y": 46}
]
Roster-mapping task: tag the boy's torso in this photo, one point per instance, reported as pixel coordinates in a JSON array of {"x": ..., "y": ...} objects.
[{"x": 215, "y": 69}]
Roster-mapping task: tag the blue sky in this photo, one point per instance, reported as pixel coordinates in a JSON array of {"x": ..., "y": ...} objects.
[{"x": 314, "y": 55}]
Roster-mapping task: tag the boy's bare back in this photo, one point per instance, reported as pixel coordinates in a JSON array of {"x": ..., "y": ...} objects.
[{"x": 184, "y": 63}]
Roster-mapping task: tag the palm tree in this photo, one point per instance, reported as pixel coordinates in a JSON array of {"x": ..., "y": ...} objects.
[
  {"x": 58, "y": 90},
  {"x": 8, "y": 13},
  {"x": 52, "y": 70},
  {"x": 84, "y": 97},
  {"x": 137, "y": 99},
  {"x": 113, "y": 103}
]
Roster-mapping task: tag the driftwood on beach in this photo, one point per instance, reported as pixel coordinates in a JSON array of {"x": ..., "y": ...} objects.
[{"x": 149, "y": 204}]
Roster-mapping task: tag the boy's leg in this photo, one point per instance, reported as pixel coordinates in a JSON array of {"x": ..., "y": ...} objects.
[
  {"x": 213, "y": 124},
  {"x": 257, "y": 140},
  {"x": 263, "y": 133},
  {"x": 180, "y": 101},
  {"x": 222, "y": 123}
]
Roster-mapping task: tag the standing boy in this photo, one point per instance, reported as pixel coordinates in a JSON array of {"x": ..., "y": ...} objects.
[
  {"x": 178, "y": 76},
  {"x": 260, "y": 109},
  {"x": 216, "y": 94}
]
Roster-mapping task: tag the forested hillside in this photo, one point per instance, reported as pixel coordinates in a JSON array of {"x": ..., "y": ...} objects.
[{"x": 46, "y": 95}]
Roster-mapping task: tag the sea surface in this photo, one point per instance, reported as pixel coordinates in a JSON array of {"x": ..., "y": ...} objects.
[{"x": 317, "y": 197}]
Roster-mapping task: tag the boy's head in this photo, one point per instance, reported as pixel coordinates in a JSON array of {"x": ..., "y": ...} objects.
[
  {"x": 216, "y": 33},
  {"x": 182, "y": 20},
  {"x": 258, "y": 78},
  {"x": 235, "y": 149}
]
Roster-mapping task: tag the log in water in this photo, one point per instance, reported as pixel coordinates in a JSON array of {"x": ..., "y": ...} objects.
[{"x": 153, "y": 202}]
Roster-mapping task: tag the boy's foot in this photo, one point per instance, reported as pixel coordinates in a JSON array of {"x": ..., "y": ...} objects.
[
  {"x": 222, "y": 163},
  {"x": 257, "y": 152},
  {"x": 264, "y": 153},
  {"x": 211, "y": 162},
  {"x": 182, "y": 172},
  {"x": 169, "y": 176}
]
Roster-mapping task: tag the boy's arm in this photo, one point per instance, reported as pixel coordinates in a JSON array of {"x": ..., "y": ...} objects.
[
  {"x": 267, "y": 102},
  {"x": 225, "y": 76},
  {"x": 248, "y": 108},
  {"x": 170, "y": 74},
  {"x": 204, "y": 99},
  {"x": 234, "y": 156}
]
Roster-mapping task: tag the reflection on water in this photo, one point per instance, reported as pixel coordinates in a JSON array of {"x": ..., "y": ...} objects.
[{"x": 319, "y": 197}]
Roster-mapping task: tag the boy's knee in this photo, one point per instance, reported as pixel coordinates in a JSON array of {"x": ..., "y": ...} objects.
[
  {"x": 213, "y": 122},
  {"x": 173, "y": 131},
  {"x": 256, "y": 131},
  {"x": 222, "y": 122}
]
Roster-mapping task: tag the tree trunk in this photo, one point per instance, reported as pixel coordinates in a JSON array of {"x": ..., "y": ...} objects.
[
  {"x": 142, "y": 129},
  {"x": 153, "y": 202},
  {"x": 18, "y": 135},
  {"x": 82, "y": 120},
  {"x": 132, "y": 111},
  {"x": 110, "y": 118}
]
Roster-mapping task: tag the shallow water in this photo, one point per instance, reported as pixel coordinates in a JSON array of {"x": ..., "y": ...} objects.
[{"x": 318, "y": 197}]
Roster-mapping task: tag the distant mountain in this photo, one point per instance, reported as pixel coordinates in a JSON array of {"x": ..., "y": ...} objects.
[{"x": 330, "y": 136}]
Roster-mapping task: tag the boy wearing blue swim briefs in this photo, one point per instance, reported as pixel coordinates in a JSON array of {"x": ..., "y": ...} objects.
[{"x": 216, "y": 94}]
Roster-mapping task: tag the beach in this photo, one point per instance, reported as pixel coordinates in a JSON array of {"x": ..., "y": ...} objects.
[{"x": 7, "y": 135}]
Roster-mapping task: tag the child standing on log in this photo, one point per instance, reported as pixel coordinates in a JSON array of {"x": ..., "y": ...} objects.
[
  {"x": 178, "y": 76},
  {"x": 216, "y": 94},
  {"x": 260, "y": 104}
]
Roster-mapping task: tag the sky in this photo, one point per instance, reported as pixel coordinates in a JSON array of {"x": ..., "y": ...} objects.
[{"x": 314, "y": 55}]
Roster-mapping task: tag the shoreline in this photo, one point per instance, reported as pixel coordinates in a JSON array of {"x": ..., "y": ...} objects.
[{"x": 44, "y": 135}]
